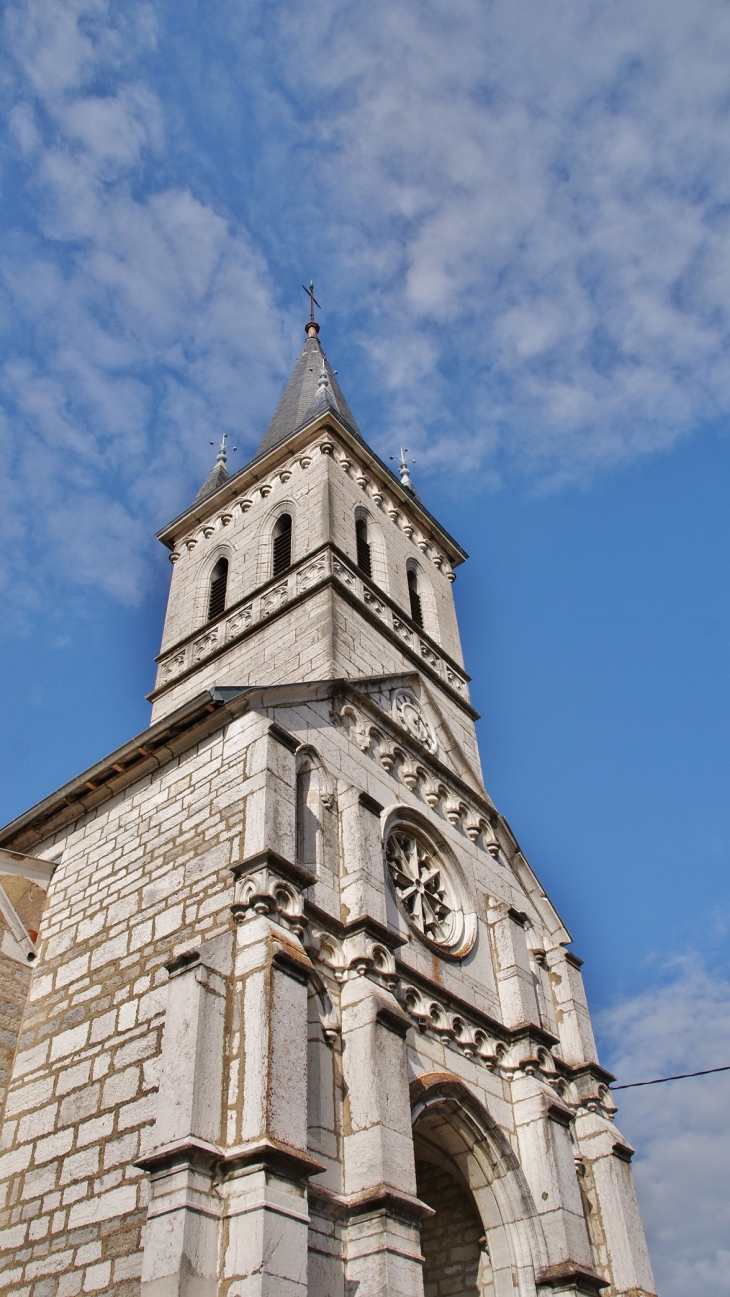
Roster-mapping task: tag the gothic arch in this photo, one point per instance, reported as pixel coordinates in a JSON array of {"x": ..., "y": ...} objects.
[
  {"x": 314, "y": 797},
  {"x": 426, "y": 595},
  {"x": 454, "y": 1131},
  {"x": 202, "y": 584},
  {"x": 377, "y": 546},
  {"x": 265, "y": 539}
]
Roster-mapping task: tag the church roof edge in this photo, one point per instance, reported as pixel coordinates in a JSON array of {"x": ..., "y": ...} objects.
[{"x": 165, "y": 534}]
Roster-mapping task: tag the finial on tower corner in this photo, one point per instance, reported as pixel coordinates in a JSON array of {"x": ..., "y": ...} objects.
[
  {"x": 403, "y": 469},
  {"x": 311, "y": 328},
  {"x": 222, "y": 449}
]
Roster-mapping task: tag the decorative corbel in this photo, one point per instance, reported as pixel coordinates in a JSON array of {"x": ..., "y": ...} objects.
[{"x": 269, "y": 884}]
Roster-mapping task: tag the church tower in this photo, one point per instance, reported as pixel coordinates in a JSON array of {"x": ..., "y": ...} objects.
[{"x": 295, "y": 1017}]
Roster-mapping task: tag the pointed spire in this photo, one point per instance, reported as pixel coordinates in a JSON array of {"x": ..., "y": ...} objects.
[
  {"x": 218, "y": 474},
  {"x": 312, "y": 389}
]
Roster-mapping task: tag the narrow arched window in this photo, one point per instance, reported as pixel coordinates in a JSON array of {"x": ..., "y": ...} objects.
[
  {"x": 414, "y": 596},
  {"x": 364, "y": 560},
  {"x": 282, "y": 544},
  {"x": 308, "y": 823},
  {"x": 218, "y": 584}
]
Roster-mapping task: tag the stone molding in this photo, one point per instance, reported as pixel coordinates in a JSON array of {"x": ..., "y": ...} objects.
[
  {"x": 362, "y": 952},
  {"x": 246, "y": 489},
  {"x": 524, "y": 1051}
]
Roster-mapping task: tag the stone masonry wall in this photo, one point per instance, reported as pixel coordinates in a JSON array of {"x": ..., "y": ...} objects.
[
  {"x": 323, "y": 499},
  {"x": 14, "y": 984},
  {"x": 140, "y": 881},
  {"x": 450, "y": 1239}
]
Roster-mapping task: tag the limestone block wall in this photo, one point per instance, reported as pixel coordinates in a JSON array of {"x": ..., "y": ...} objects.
[
  {"x": 244, "y": 537},
  {"x": 453, "y": 1259},
  {"x": 14, "y": 984},
  {"x": 325, "y": 636},
  {"x": 145, "y": 878}
]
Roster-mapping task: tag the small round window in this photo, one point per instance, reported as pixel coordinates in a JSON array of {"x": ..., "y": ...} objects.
[{"x": 426, "y": 893}]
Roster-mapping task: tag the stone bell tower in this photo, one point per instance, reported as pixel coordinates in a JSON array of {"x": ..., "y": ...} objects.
[{"x": 300, "y": 1019}]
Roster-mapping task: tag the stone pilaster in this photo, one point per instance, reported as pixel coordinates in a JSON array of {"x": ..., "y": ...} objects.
[
  {"x": 382, "y": 1238},
  {"x": 618, "y": 1235},
  {"x": 547, "y": 1154},
  {"x": 181, "y": 1235},
  {"x": 515, "y": 983},
  {"x": 265, "y": 1166}
]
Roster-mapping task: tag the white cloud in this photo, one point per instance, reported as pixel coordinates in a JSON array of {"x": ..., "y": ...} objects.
[
  {"x": 124, "y": 309},
  {"x": 550, "y": 185},
  {"x": 681, "y": 1130},
  {"x": 523, "y": 210}
]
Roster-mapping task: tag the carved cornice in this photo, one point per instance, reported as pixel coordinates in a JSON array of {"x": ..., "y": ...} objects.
[
  {"x": 401, "y": 755},
  {"x": 570, "y": 1276},
  {"x": 330, "y": 437},
  {"x": 271, "y": 1155},
  {"x": 381, "y": 1198}
]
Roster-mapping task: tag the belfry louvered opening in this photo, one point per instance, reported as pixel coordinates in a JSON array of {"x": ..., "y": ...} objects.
[
  {"x": 364, "y": 558},
  {"x": 282, "y": 544},
  {"x": 414, "y": 596},
  {"x": 218, "y": 587}
]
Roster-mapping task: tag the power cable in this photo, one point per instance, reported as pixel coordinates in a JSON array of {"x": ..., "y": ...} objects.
[{"x": 682, "y": 1076}]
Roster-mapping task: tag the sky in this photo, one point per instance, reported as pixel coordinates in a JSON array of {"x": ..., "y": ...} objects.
[{"x": 516, "y": 216}]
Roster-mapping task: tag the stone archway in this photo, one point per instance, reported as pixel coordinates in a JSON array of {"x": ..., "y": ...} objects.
[{"x": 468, "y": 1172}]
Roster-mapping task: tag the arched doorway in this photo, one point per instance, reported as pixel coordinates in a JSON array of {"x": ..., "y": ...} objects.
[{"x": 484, "y": 1239}]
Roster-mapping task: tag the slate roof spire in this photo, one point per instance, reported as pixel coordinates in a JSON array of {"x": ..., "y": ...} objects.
[
  {"x": 312, "y": 390},
  {"x": 217, "y": 475}
]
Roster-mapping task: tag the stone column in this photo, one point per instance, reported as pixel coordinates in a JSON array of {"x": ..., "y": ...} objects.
[
  {"x": 265, "y": 1166},
  {"x": 383, "y": 1254},
  {"x": 547, "y": 1157},
  {"x": 618, "y": 1232},
  {"x": 181, "y": 1234}
]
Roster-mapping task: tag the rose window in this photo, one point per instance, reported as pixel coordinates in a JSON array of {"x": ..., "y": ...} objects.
[
  {"x": 427, "y": 893},
  {"x": 417, "y": 878}
]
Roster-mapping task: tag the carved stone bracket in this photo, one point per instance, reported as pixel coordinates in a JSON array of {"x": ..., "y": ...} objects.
[
  {"x": 360, "y": 953},
  {"x": 269, "y": 884}
]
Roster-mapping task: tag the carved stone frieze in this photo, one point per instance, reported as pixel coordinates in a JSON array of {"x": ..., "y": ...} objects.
[
  {"x": 205, "y": 645},
  {"x": 358, "y": 954},
  {"x": 373, "y": 602},
  {"x": 239, "y": 621},
  {"x": 401, "y": 629},
  {"x": 434, "y": 789},
  {"x": 343, "y": 573},
  {"x": 312, "y": 573},
  {"x": 173, "y": 666},
  {"x": 275, "y": 599}
]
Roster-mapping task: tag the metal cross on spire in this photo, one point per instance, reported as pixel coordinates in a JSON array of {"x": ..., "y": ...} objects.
[{"x": 312, "y": 300}]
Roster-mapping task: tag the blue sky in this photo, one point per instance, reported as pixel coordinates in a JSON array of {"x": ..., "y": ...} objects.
[{"x": 516, "y": 216}]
